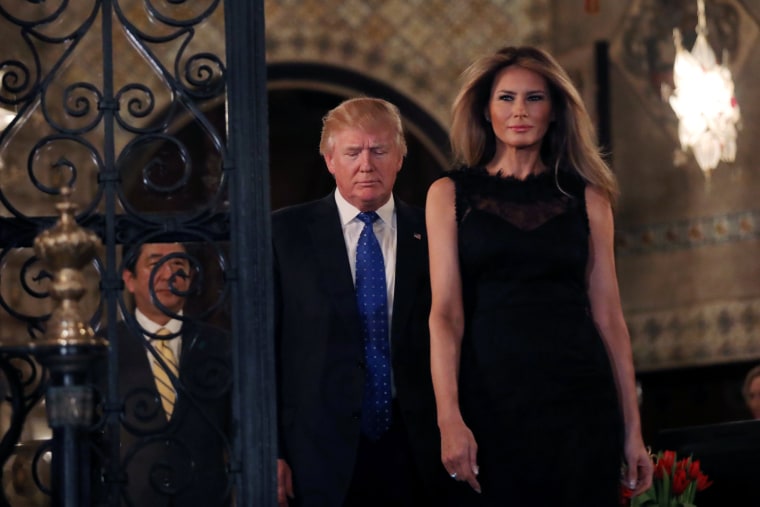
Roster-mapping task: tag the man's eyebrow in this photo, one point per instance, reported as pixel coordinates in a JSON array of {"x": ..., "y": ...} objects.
[{"x": 158, "y": 256}]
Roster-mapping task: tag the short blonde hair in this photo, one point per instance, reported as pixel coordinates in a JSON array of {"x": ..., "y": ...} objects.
[{"x": 365, "y": 113}]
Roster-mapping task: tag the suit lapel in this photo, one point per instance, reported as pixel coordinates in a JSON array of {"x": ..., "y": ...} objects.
[
  {"x": 190, "y": 336},
  {"x": 410, "y": 253},
  {"x": 136, "y": 379},
  {"x": 133, "y": 358},
  {"x": 329, "y": 247}
]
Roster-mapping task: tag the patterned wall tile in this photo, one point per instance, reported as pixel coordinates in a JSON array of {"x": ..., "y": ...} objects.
[
  {"x": 418, "y": 47},
  {"x": 689, "y": 233},
  {"x": 707, "y": 334}
]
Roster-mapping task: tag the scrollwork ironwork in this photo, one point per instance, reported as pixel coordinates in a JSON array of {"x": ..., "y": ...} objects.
[{"x": 127, "y": 125}]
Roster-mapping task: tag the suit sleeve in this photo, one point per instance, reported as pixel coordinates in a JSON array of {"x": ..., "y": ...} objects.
[{"x": 277, "y": 286}]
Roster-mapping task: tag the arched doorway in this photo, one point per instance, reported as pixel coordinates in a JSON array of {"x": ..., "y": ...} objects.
[{"x": 301, "y": 94}]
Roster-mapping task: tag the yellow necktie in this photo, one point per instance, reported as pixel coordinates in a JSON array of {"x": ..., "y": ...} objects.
[{"x": 163, "y": 381}]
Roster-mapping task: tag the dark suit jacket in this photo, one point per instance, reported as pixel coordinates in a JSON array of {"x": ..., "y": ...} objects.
[
  {"x": 181, "y": 461},
  {"x": 320, "y": 348}
]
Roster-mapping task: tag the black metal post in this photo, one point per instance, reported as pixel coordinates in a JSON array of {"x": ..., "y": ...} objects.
[
  {"x": 69, "y": 403},
  {"x": 252, "y": 319}
]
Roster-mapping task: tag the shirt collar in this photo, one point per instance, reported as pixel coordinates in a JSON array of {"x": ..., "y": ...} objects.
[
  {"x": 174, "y": 325},
  {"x": 348, "y": 211}
]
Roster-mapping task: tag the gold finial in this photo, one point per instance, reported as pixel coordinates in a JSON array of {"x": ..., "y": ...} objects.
[{"x": 65, "y": 249}]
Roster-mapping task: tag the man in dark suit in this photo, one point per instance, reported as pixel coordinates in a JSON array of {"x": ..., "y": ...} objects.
[
  {"x": 173, "y": 438},
  {"x": 331, "y": 454}
]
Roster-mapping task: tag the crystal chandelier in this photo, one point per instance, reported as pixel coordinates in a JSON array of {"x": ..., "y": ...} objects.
[{"x": 704, "y": 101}]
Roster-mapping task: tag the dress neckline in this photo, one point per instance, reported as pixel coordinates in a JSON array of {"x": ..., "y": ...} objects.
[{"x": 499, "y": 176}]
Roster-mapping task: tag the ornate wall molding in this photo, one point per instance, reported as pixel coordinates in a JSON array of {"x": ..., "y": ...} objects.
[
  {"x": 719, "y": 332},
  {"x": 688, "y": 233}
]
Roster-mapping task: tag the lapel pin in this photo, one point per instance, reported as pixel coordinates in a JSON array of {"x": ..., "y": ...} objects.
[{"x": 417, "y": 235}]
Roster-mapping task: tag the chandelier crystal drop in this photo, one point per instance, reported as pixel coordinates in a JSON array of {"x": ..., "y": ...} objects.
[{"x": 704, "y": 101}]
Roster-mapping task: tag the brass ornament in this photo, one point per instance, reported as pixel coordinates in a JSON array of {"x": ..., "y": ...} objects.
[{"x": 65, "y": 249}]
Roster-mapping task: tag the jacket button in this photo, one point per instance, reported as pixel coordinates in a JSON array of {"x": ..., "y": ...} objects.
[{"x": 356, "y": 415}]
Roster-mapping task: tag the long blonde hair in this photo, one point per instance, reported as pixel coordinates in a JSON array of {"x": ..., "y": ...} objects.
[{"x": 570, "y": 141}]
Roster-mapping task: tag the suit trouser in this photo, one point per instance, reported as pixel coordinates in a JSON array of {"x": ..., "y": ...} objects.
[{"x": 385, "y": 473}]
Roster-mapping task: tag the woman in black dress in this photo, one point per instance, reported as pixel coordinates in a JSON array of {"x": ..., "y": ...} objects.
[{"x": 531, "y": 358}]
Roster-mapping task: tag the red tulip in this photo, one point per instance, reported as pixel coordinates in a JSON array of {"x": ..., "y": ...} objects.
[
  {"x": 703, "y": 482},
  {"x": 667, "y": 459},
  {"x": 659, "y": 470},
  {"x": 680, "y": 481},
  {"x": 684, "y": 476},
  {"x": 694, "y": 469},
  {"x": 664, "y": 464},
  {"x": 625, "y": 496}
]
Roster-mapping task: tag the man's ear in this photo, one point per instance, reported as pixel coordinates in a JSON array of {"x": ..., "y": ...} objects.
[
  {"x": 400, "y": 164},
  {"x": 129, "y": 280},
  {"x": 329, "y": 162}
]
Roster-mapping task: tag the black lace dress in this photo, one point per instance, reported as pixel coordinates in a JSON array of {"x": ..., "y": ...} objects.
[{"x": 536, "y": 385}]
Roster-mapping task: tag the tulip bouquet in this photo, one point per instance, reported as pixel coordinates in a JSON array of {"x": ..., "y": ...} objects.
[{"x": 675, "y": 483}]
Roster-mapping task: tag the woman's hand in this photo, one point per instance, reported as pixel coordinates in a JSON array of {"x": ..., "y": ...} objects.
[
  {"x": 640, "y": 467},
  {"x": 459, "y": 452}
]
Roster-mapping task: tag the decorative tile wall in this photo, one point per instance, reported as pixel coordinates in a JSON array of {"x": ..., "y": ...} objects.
[
  {"x": 714, "y": 333},
  {"x": 418, "y": 47},
  {"x": 695, "y": 334},
  {"x": 689, "y": 233}
]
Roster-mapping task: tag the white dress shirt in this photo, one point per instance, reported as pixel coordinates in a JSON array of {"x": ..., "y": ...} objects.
[
  {"x": 385, "y": 231},
  {"x": 174, "y": 325}
]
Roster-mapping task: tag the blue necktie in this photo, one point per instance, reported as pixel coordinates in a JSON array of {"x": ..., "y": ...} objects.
[{"x": 372, "y": 299}]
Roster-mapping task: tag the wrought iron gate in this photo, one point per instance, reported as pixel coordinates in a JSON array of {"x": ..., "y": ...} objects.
[{"x": 129, "y": 122}]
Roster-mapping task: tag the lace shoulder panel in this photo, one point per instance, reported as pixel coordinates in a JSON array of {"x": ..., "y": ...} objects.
[{"x": 526, "y": 204}]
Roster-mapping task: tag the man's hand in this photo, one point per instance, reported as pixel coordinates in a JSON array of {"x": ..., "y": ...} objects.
[{"x": 284, "y": 483}]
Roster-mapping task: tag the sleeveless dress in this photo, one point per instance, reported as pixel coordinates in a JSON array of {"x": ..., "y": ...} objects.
[{"x": 536, "y": 385}]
